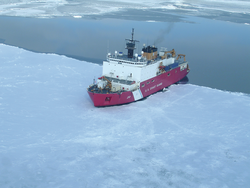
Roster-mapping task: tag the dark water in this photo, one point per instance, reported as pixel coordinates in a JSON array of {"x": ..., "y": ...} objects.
[{"x": 218, "y": 52}]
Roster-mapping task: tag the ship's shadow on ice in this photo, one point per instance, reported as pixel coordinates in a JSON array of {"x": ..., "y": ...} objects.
[{"x": 184, "y": 80}]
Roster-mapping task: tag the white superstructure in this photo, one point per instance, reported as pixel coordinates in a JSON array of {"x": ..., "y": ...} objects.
[{"x": 131, "y": 77}]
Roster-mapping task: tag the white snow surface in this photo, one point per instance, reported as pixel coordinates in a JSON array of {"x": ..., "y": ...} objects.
[
  {"x": 52, "y": 136},
  {"x": 50, "y": 8}
]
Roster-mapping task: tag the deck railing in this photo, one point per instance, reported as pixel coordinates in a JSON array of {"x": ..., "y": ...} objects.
[{"x": 133, "y": 61}]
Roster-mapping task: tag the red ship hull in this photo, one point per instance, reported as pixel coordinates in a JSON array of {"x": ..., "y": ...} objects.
[{"x": 147, "y": 88}]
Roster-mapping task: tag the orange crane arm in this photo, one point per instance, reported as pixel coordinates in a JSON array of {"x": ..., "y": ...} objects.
[{"x": 179, "y": 56}]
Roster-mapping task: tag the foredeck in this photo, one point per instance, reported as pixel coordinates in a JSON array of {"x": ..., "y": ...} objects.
[{"x": 94, "y": 89}]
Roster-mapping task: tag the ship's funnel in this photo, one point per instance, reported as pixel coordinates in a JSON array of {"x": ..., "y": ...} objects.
[{"x": 150, "y": 52}]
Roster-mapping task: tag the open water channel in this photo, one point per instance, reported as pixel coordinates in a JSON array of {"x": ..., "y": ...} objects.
[{"x": 218, "y": 52}]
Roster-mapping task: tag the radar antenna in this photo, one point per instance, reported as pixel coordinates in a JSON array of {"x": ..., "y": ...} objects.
[{"x": 130, "y": 45}]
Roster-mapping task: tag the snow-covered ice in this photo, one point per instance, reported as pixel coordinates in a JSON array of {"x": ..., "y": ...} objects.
[{"x": 51, "y": 135}]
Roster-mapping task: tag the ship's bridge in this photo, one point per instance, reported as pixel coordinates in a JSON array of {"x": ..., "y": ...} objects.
[
  {"x": 120, "y": 59},
  {"x": 138, "y": 60}
]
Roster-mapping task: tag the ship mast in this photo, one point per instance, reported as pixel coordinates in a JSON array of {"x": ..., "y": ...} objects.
[{"x": 130, "y": 45}]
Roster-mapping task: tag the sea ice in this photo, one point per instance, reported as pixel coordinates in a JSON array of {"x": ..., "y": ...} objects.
[
  {"x": 49, "y": 8},
  {"x": 51, "y": 135}
]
